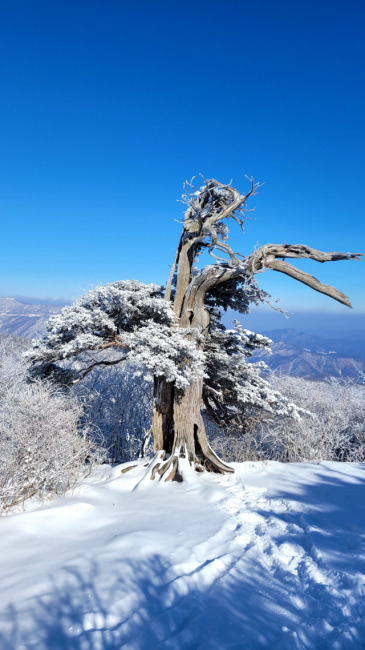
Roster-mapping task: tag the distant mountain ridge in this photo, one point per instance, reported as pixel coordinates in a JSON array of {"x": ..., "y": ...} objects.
[
  {"x": 20, "y": 319},
  {"x": 293, "y": 352},
  {"x": 314, "y": 357},
  {"x": 341, "y": 346}
]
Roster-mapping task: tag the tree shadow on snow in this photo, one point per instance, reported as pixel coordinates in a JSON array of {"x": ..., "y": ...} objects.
[
  {"x": 80, "y": 614},
  {"x": 241, "y": 600},
  {"x": 323, "y": 538}
]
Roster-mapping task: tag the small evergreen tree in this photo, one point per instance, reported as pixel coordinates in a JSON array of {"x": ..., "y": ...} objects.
[{"x": 176, "y": 337}]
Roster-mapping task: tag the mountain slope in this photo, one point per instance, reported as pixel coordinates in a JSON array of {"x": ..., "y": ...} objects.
[
  {"x": 344, "y": 347},
  {"x": 20, "y": 319},
  {"x": 314, "y": 357}
]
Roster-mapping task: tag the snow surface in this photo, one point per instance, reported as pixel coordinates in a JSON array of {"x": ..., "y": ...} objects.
[{"x": 271, "y": 556}]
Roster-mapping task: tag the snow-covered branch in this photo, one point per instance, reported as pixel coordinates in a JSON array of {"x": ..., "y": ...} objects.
[{"x": 122, "y": 315}]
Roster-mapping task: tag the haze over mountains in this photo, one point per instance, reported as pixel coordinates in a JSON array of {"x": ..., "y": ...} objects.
[{"x": 297, "y": 353}]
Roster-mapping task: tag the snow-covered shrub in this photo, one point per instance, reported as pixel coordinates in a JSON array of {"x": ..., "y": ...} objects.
[
  {"x": 251, "y": 442},
  {"x": 337, "y": 430},
  {"x": 334, "y": 431},
  {"x": 42, "y": 448}
]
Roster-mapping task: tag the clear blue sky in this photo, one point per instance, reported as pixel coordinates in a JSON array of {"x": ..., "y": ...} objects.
[{"x": 107, "y": 107}]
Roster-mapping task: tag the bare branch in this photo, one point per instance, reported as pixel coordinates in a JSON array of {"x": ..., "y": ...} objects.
[
  {"x": 309, "y": 280},
  {"x": 303, "y": 251},
  {"x": 267, "y": 256},
  {"x": 98, "y": 363}
]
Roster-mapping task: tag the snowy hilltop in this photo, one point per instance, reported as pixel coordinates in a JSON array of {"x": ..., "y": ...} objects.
[{"x": 270, "y": 557}]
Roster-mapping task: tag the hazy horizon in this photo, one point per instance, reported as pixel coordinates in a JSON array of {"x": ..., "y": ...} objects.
[
  {"x": 324, "y": 324},
  {"x": 328, "y": 324}
]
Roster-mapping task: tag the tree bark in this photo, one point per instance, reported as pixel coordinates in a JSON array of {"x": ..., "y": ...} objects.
[
  {"x": 188, "y": 434},
  {"x": 178, "y": 425},
  {"x": 162, "y": 416}
]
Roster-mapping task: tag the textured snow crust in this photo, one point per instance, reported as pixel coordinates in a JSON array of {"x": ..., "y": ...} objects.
[{"x": 270, "y": 557}]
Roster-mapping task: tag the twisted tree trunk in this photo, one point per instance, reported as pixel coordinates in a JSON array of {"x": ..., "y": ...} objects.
[
  {"x": 178, "y": 426},
  {"x": 187, "y": 434}
]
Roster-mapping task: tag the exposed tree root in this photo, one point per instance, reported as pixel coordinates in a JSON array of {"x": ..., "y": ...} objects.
[
  {"x": 209, "y": 455},
  {"x": 170, "y": 469},
  {"x": 128, "y": 469}
]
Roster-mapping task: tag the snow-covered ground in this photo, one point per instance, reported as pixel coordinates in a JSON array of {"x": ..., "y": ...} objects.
[{"x": 272, "y": 556}]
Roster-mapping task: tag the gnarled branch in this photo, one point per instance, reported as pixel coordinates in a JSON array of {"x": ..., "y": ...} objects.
[
  {"x": 272, "y": 256},
  {"x": 206, "y": 210}
]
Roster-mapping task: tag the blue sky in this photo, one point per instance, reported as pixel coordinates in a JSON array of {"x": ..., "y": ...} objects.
[{"x": 107, "y": 107}]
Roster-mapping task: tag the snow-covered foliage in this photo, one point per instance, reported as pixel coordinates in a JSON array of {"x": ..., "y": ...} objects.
[
  {"x": 99, "y": 316},
  {"x": 235, "y": 391},
  {"x": 42, "y": 448},
  {"x": 337, "y": 432},
  {"x": 127, "y": 316}
]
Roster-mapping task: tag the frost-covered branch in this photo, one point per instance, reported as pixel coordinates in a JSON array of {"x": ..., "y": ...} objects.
[
  {"x": 234, "y": 391},
  {"x": 205, "y": 226}
]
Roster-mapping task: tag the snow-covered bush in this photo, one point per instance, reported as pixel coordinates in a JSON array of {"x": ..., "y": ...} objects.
[
  {"x": 334, "y": 431},
  {"x": 337, "y": 430},
  {"x": 42, "y": 448}
]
